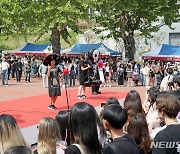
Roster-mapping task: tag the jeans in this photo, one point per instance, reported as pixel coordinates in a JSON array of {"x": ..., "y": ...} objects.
[
  {"x": 5, "y": 77},
  {"x": 66, "y": 79},
  {"x": 157, "y": 80},
  {"x": 28, "y": 74},
  {"x": 72, "y": 78},
  {"x": 18, "y": 75},
  {"x": 143, "y": 79}
]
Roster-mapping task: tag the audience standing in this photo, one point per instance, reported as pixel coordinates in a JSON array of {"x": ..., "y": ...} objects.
[
  {"x": 83, "y": 130},
  {"x": 114, "y": 118},
  {"x": 168, "y": 107}
]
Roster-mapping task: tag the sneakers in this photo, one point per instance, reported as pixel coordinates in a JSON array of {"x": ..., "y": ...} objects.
[
  {"x": 52, "y": 107},
  {"x": 81, "y": 97}
]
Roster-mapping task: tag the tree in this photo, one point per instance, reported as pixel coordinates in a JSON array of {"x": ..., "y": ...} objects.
[
  {"x": 40, "y": 16},
  {"x": 123, "y": 18}
]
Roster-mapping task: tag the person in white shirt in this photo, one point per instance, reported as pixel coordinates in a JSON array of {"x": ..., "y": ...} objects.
[
  {"x": 4, "y": 68},
  {"x": 107, "y": 74},
  {"x": 167, "y": 79},
  {"x": 43, "y": 72}
]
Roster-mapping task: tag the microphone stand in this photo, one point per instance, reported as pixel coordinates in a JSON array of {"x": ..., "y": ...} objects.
[{"x": 67, "y": 99}]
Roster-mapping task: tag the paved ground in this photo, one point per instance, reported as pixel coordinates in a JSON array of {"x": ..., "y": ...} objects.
[{"x": 20, "y": 90}]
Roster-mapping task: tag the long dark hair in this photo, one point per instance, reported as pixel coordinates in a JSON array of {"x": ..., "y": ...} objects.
[
  {"x": 153, "y": 92},
  {"x": 133, "y": 103},
  {"x": 62, "y": 119},
  {"x": 138, "y": 129},
  {"x": 83, "y": 127}
]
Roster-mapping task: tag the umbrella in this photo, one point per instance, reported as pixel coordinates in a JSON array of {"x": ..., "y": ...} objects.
[{"x": 49, "y": 58}]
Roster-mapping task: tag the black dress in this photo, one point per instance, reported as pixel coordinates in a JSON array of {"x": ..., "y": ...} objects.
[
  {"x": 121, "y": 77},
  {"x": 82, "y": 74},
  {"x": 53, "y": 82}
]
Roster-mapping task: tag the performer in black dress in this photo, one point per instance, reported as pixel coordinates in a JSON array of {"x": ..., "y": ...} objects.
[
  {"x": 83, "y": 67},
  {"x": 53, "y": 83}
]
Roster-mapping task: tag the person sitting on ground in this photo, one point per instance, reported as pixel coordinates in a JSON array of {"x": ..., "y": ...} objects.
[
  {"x": 18, "y": 150},
  {"x": 138, "y": 129},
  {"x": 83, "y": 130},
  {"x": 10, "y": 133},
  {"x": 114, "y": 118},
  {"x": 48, "y": 135},
  {"x": 168, "y": 107}
]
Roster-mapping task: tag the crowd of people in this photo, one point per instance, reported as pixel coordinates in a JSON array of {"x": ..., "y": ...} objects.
[
  {"x": 131, "y": 127},
  {"x": 126, "y": 73}
]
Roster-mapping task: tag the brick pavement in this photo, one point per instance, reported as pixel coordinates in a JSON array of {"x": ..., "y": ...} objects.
[{"x": 21, "y": 90}]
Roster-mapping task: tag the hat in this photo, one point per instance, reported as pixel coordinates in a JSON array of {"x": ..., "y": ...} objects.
[{"x": 49, "y": 58}]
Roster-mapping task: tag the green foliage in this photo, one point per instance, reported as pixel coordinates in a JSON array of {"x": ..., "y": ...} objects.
[
  {"x": 18, "y": 40},
  {"x": 40, "y": 16},
  {"x": 131, "y": 15},
  {"x": 123, "y": 18}
]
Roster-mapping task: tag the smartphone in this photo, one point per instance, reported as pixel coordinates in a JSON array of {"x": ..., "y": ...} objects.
[{"x": 102, "y": 104}]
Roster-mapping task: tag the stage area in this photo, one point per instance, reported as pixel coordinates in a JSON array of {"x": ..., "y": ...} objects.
[{"x": 29, "y": 111}]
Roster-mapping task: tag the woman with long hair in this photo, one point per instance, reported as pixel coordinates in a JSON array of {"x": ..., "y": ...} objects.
[
  {"x": 18, "y": 150},
  {"x": 138, "y": 129},
  {"x": 48, "y": 135},
  {"x": 83, "y": 130},
  {"x": 10, "y": 133},
  {"x": 62, "y": 119},
  {"x": 133, "y": 103}
]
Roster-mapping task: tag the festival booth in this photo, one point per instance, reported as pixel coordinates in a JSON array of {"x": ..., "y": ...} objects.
[
  {"x": 32, "y": 49},
  {"x": 79, "y": 48},
  {"x": 164, "y": 53}
]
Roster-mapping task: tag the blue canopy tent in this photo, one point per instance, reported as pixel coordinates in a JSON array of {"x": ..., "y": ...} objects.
[
  {"x": 164, "y": 52},
  {"x": 33, "y": 49},
  {"x": 79, "y": 48}
]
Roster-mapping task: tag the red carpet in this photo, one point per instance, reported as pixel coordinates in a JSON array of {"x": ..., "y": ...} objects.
[{"x": 29, "y": 111}]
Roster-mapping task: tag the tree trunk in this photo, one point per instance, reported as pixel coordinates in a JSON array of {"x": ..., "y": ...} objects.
[
  {"x": 55, "y": 40},
  {"x": 127, "y": 34},
  {"x": 129, "y": 44}
]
